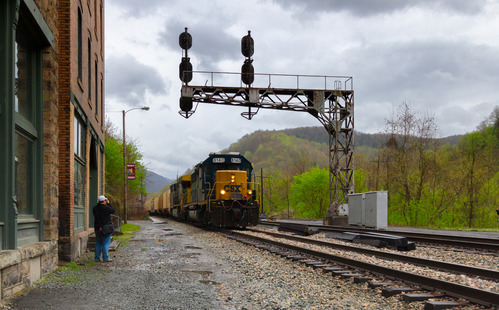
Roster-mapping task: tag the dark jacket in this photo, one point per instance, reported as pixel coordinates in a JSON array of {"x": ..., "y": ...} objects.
[{"x": 102, "y": 215}]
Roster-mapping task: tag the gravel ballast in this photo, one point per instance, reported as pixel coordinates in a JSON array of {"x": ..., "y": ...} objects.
[{"x": 172, "y": 265}]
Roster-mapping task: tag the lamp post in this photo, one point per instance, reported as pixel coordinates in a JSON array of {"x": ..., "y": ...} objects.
[{"x": 125, "y": 174}]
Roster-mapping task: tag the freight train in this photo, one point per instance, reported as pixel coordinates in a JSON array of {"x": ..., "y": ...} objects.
[{"x": 219, "y": 192}]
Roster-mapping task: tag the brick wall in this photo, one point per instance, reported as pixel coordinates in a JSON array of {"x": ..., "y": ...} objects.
[{"x": 70, "y": 244}]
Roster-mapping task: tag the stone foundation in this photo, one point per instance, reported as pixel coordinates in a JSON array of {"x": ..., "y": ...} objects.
[
  {"x": 72, "y": 247},
  {"x": 22, "y": 267}
]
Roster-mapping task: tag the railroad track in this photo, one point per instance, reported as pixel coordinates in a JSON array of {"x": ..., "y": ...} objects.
[
  {"x": 418, "y": 282},
  {"x": 491, "y": 244},
  {"x": 457, "y": 268}
]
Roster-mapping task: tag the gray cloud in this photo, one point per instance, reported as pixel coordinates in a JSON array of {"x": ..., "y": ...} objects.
[
  {"x": 429, "y": 70},
  {"x": 139, "y": 9},
  {"x": 452, "y": 79},
  {"x": 129, "y": 80},
  {"x": 369, "y": 7},
  {"x": 210, "y": 44}
]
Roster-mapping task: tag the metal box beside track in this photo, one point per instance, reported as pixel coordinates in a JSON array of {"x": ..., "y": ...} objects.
[
  {"x": 356, "y": 209},
  {"x": 376, "y": 204},
  {"x": 368, "y": 209}
]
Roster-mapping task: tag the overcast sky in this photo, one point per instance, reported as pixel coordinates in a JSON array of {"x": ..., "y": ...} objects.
[{"x": 440, "y": 56}]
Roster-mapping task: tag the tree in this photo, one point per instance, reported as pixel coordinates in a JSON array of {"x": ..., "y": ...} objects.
[
  {"x": 310, "y": 192},
  {"x": 475, "y": 166},
  {"x": 115, "y": 170},
  {"x": 410, "y": 159}
]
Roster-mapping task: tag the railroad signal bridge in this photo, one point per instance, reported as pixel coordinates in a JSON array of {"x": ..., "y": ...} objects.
[{"x": 330, "y": 99}]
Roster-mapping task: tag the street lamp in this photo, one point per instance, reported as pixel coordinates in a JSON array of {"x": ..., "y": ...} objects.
[{"x": 125, "y": 174}]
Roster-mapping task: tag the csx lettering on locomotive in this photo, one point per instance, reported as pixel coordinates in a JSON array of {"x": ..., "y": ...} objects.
[{"x": 232, "y": 188}]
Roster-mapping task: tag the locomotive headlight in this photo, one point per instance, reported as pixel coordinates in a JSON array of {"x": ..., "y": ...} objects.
[
  {"x": 222, "y": 192},
  {"x": 232, "y": 178},
  {"x": 250, "y": 192}
]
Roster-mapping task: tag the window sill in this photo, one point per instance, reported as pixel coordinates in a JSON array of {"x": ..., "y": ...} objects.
[
  {"x": 80, "y": 84},
  {"x": 27, "y": 220}
]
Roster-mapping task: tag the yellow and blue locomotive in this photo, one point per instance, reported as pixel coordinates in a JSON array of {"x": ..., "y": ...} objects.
[{"x": 218, "y": 193}]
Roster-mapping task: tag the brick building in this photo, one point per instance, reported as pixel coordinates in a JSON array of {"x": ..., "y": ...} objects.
[
  {"x": 81, "y": 120},
  {"x": 51, "y": 133}
]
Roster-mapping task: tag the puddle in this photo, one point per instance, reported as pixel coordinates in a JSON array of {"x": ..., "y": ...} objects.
[
  {"x": 209, "y": 282},
  {"x": 203, "y": 273},
  {"x": 190, "y": 255},
  {"x": 193, "y": 247},
  {"x": 173, "y": 234}
]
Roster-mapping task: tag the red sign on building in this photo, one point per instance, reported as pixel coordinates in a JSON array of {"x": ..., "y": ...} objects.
[{"x": 130, "y": 171}]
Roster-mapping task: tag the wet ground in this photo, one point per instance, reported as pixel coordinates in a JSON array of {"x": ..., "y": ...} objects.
[{"x": 163, "y": 267}]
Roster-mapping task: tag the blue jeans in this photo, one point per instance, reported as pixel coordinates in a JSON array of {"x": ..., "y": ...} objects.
[{"x": 102, "y": 244}]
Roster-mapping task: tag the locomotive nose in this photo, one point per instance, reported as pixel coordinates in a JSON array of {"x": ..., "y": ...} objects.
[{"x": 237, "y": 214}]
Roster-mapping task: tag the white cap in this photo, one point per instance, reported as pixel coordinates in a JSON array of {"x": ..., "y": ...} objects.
[{"x": 102, "y": 198}]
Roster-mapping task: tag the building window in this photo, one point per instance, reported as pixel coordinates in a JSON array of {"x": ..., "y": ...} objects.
[
  {"x": 89, "y": 70},
  {"x": 24, "y": 163},
  {"x": 27, "y": 103},
  {"x": 80, "y": 134},
  {"x": 22, "y": 73},
  {"x": 80, "y": 46},
  {"x": 79, "y": 151},
  {"x": 96, "y": 89},
  {"x": 95, "y": 17},
  {"x": 102, "y": 99},
  {"x": 101, "y": 25},
  {"x": 25, "y": 35}
]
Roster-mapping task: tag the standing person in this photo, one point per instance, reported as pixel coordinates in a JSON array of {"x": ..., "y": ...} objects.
[{"x": 102, "y": 215}]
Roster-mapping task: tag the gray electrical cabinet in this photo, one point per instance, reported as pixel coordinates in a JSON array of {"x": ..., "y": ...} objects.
[
  {"x": 368, "y": 209},
  {"x": 356, "y": 209},
  {"x": 376, "y": 204}
]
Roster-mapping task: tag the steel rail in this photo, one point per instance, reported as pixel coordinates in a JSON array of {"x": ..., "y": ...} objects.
[
  {"x": 479, "y": 296},
  {"x": 453, "y": 240},
  {"x": 415, "y": 234},
  {"x": 458, "y": 268}
]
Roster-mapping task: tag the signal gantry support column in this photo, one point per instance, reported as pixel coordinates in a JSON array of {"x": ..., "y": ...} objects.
[{"x": 330, "y": 100}]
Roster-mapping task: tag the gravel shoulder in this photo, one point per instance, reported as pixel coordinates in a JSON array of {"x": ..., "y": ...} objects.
[{"x": 171, "y": 265}]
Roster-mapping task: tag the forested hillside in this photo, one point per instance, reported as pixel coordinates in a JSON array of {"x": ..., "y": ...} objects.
[
  {"x": 432, "y": 182},
  {"x": 296, "y": 150}
]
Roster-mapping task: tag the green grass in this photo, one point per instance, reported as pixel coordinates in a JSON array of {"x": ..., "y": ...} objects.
[
  {"x": 128, "y": 231},
  {"x": 68, "y": 273}
]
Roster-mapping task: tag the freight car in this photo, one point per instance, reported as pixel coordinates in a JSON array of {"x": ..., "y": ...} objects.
[{"x": 219, "y": 193}]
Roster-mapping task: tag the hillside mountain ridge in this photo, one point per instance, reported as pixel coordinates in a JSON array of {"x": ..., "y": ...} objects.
[
  {"x": 293, "y": 150},
  {"x": 154, "y": 181}
]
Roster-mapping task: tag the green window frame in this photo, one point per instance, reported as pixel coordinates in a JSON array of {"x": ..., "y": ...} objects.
[
  {"x": 24, "y": 35},
  {"x": 80, "y": 133}
]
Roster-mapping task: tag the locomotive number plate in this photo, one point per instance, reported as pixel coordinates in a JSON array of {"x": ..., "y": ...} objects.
[
  {"x": 218, "y": 160},
  {"x": 235, "y": 160}
]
